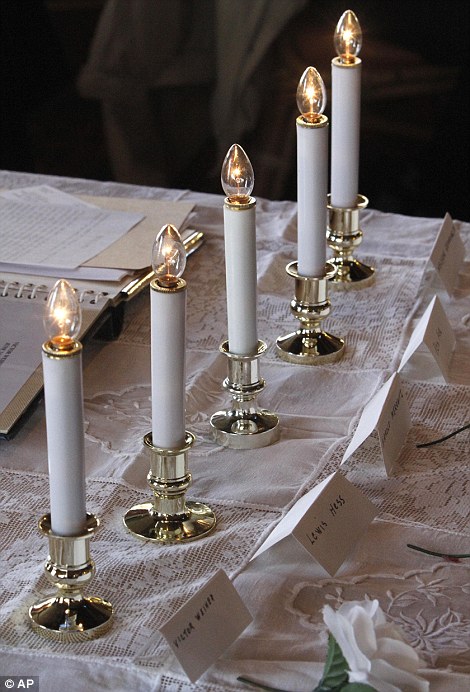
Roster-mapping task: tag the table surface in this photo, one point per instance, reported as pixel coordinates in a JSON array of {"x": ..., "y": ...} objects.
[{"x": 424, "y": 502}]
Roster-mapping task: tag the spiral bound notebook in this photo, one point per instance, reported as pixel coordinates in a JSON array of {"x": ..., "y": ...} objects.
[
  {"x": 22, "y": 307},
  {"x": 21, "y": 336},
  {"x": 23, "y": 297}
]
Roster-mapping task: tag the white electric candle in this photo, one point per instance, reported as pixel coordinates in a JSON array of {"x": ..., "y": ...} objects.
[
  {"x": 346, "y": 112},
  {"x": 168, "y": 340},
  {"x": 240, "y": 252},
  {"x": 63, "y": 397},
  {"x": 312, "y": 175}
]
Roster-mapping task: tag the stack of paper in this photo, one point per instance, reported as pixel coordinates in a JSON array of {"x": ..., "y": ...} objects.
[{"x": 101, "y": 245}]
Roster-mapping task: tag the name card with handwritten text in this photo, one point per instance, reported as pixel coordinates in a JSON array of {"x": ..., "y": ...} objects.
[
  {"x": 206, "y": 625},
  {"x": 388, "y": 413},
  {"x": 327, "y": 521},
  {"x": 434, "y": 331},
  {"x": 448, "y": 254}
]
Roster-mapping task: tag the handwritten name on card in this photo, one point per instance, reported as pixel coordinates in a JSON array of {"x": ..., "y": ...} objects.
[
  {"x": 388, "y": 413},
  {"x": 448, "y": 254},
  {"x": 327, "y": 521},
  {"x": 206, "y": 625},
  {"x": 434, "y": 331}
]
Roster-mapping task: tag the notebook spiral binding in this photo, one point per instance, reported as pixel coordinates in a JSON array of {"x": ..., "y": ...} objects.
[{"x": 31, "y": 291}]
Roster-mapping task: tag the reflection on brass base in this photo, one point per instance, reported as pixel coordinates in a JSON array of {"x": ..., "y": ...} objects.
[
  {"x": 344, "y": 236},
  {"x": 71, "y": 619},
  {"x": 244, "y": 426},
  {"x": 169, "y": 518},
  {"x": 245, "y": 430},
  {"x": 309, "y": 345},
  {"x": 300, "y": 348},
  {"x": 69, "y": 616},
  {"x": 352, "y": 273},
  {"x": 144, "y": 522}
]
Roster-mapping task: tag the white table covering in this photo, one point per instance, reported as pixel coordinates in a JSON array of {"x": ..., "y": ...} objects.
[{"x": 425, "y": 501}]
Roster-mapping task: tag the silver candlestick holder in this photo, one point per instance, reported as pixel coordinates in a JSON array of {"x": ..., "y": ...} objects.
[
  {"x": 344, "y": 236},
  {"x": 244, "y": 426},
  {"x": 69, "y": 616},
  {"x": 309, "y": 345},
  {"x": 169, "y": 518}
]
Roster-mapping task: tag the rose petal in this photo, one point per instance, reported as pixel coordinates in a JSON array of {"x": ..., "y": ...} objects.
[
  {"x": 377, "y": 684},
  {"x": 364, "y": 631},
  {"x": 399, "y": 654},
  {"x": 343, "y": 632},
  {"x": 374, "y": 649},
  {"x": 383, "y": 673}
]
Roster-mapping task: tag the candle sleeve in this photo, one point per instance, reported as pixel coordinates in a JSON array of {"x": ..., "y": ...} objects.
[
  {"x": 312, "y": 182},
  {"x": 63, "y": 398},
  {"x": 168, "y": 366},
  {"x": 241, "y": 277},
  {"x": 345, "y": 132}
]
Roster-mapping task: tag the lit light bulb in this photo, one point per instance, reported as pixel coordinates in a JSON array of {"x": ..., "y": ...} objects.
[
  {"x": 63, "y": 316},
  {"x": 311, "y": 95},
  {"x": 348, "y": 37},
  {"x": 237, "y": 175},
  {"x": 168, "y": 256}
]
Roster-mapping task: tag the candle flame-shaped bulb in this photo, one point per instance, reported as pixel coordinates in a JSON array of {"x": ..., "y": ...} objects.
[
  {"x": 237, "y": 175},
  {"x": 348, "y": 37},
  {"x": 168, "y": 256},
  {"x": 311, "y": 95},
  {"x": 63, "y": 316}
]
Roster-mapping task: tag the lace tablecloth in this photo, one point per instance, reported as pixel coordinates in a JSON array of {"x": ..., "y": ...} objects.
[{"x": 424, "y": 502}]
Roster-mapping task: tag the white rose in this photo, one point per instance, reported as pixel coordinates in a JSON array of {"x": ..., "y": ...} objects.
[{"x": 374, "y": 649}]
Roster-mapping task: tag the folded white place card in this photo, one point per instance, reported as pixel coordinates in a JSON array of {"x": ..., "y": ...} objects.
[
  {"x": 206, "y": 625},
  {"x": 448, "y": 254},
  {"x": 327, "y": 521},
  {"x": 433, "y": 331},
  {"x": 389, "y": 414}
]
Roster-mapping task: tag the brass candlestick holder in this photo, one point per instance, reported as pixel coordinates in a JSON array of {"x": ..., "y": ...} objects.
[
  {"x": 169, "y": 518},
  {"x": 344, "y": 236},
  {"x": 69, "y": 616},
  {"x": 244, "y": 426},
  {"x": 309, "y": 345}
]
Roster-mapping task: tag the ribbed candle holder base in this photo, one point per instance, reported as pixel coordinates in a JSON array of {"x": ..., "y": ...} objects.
[
  {"x": 69, "y": 615},
  {"x": 344, "y": 236},
  {"x": 244, "y": 426},
  {"x": 310, "y": 345},
  {"x": 169, "y": 518}
]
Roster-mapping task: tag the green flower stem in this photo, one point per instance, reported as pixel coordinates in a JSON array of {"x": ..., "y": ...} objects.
[
  {"x": 446, "y": 437},
  {"x": 258, "y": 685},
  {"x": 452, "y": 556}
]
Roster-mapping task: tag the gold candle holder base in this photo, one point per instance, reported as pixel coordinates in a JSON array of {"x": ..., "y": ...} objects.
[
  {"x": 309, "y": 345},
  {"x": 169, "y": 518},
  {"x": 244, "y": 426},
  {"x": 344, "y": 236},
  {"x": 69, "y": 616}
]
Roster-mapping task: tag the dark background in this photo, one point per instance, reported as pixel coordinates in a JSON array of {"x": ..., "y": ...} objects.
[{"x": 415, "y": 119}]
